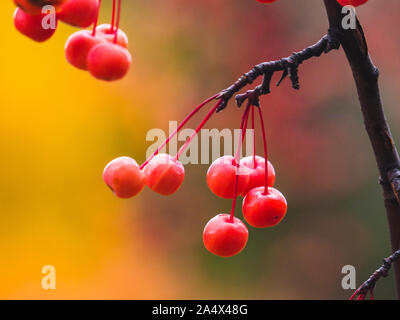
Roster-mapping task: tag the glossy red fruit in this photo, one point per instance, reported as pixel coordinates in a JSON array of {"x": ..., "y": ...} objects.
[
  {"x": 164, "y": 174},
  {"x": 31, "y": 26},
  {"x": 221, "y": 177},
  {"x": 223, "y": 237},
  {"x": 266, "y": 1},
  {"x": 124, "y": 177},
  {"x": 78, "y": 46},
  {"x": 257, "y": 172},
  {"x": 264, "y": 210},
  {"x": 34, "y": 7},
  {"x": 108, "y": 61},
  {"x": 79, "y": 13},
  {"x": 105, "y": 31},
  {"x": 354, "y": 3}
]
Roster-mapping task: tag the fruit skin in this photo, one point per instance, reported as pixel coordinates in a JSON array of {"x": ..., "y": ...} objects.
[
  {"x": 104, "y": 31},
  {"x": 354, "y": 3},
  {"x": 108, "y": 61},
  {"x": 78, "y": 46},
  {"x": 264, "y": 210},
  {"x": 223, "y": 237},
  {"x": 124, "y": 177},
  {"x": 266, "y": 1},
  {"x": 79, "y": 13},
  {"x": 164, "y": 174},
  {"x": 257, "y": 172},
  {"x": 34, "y": 7},
  {"x": 31, "y": 26},
  {"x": 221, "y": 177}
]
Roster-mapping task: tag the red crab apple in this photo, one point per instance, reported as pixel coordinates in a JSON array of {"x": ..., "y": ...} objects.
[
  {"x": 124, "y": 177},
  {"x": 354, "y": 3},
  {"x": 108, "y": 61},
  {"x": 107, "y": 32},
  {"x": 256, "y": 167},
  {"x": 78, "y": 46},
  {"x": 31, "y": 25},
  {"x": 164, "y": 174},
  {"x": 221, "y": 177},
  {"x": 262, "y": 210},
  {"x": 35, "y": 6},
  {"x": 79, "y": 13},
  {"x": 223, "y": 237}
]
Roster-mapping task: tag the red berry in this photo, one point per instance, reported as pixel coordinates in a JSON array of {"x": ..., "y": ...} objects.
[
  {"x": 80, "y": 13},
  {"x": 105, "y": 31},
  {"x": 223, "y": 237},
  {"x": 354, "y": 3},
  {"x": 266, "y": 1},
  {"x": 34, "y": 7},
  {"x": 78, "y": 46},
  {"x": 31, "y": 25},
  {"x": 124, "y": 177},
  {"x": 264, "y": 210},
  {"x": 164, "y": 174},
  {"x": 257, "y": 172},
  {"x": 221, "y": 177},
  {"x": 108, "y": 61}
]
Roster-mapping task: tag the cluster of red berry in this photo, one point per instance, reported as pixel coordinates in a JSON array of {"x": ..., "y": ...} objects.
[
  {"x": 353, "y": 3},
  {"x": 228, "y": 177},
  {"x": 102, "y": 51}
]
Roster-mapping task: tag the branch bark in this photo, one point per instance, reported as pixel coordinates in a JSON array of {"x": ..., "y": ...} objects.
[
  {"x": 369, "y": 285},
  {"x": 289, "y": 67},
  {"x": 387, "y": 158}
]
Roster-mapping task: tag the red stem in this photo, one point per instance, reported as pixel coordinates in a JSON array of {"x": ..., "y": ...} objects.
[
  {"x": 265, "y": 150},
  {"x": 96, "y": 19},
  {"x": 243, "y": 128},
  {"x": 118, "y": 20},
  {"x": 353, "y": 295},
  {"x": 242, "y": 136},
  {"x": 201, "y": 125},
  {"x": 181, "y": 125},
  {"x": 254, "y": 137},
  {"x": 113, "y": 16}
]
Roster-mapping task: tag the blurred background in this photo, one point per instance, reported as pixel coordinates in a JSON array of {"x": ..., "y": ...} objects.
[{"x": 59, "y": 127}]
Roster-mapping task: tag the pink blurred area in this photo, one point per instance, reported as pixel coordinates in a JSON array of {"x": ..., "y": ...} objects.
[{"x": 59, "y": 127}]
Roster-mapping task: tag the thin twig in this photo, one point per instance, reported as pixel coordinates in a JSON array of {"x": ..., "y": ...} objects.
[
  {"x": 288, "y": 65},
  {"x": 369, "y": 285}
]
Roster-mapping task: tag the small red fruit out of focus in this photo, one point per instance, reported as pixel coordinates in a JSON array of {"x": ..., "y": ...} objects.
[
  {"x": 223, "y": 237},
  {"x": 107, "y": 32},
  {"x": 164, "y": 174},
  {"x": 79, "y": 13},
  {"x": 256, "y": 167},
  {"x": 31, "y": 25},
  {"x": 354, "y": 3},
  {"x": 262, "y": 210},
  {"x": 221, "y": 177},
  {"x": 34, "y": 7},
  {"x": 108, "y": 61},
  {"x": 124, "y": 177},
  {"x": 78, "y": 46}
]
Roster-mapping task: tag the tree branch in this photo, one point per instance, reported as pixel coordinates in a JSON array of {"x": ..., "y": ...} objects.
[
  {"x": 369, "y": 285},
  {"x": 288, "y": 65},
  {"x": 366, "y": 78}
]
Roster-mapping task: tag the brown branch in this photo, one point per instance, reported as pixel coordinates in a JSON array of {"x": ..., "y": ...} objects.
[
  {"x": 288, "y": 65},
  {"x": 366, "y": 78},
  {"x": 369, "y": 285}
]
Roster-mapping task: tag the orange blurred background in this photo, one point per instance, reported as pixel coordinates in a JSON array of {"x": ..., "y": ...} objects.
[{"x": 59, "y": 127}]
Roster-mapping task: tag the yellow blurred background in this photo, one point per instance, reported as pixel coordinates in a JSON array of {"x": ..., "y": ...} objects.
[{"x": 59, "y": 127}]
